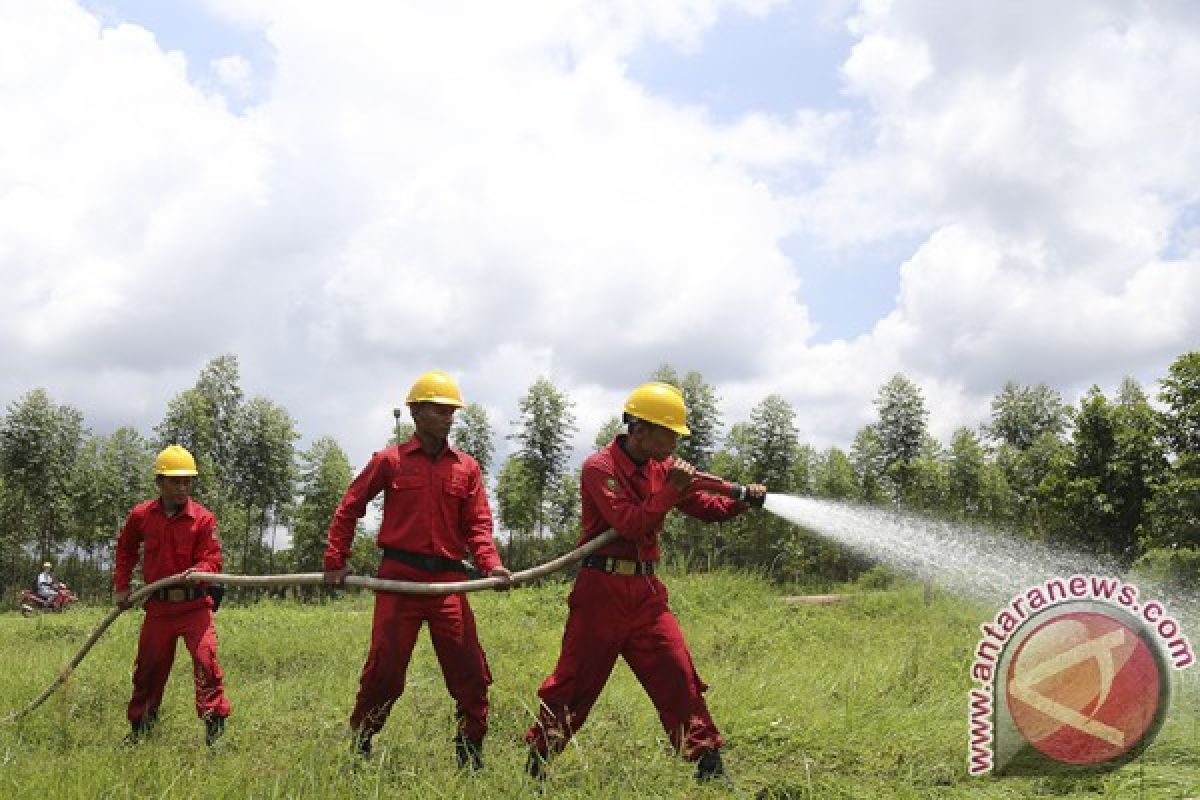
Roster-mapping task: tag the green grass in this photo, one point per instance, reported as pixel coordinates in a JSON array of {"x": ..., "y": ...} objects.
[{"x": 862, "y": 700}]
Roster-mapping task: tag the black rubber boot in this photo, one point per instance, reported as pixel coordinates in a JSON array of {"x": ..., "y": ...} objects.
[
  {"x": 468, "y": 753},
  {"x": 709, "y": 767},
  {"x": 535, "y": 766},
  {"x": 214, "y": 729},
  {"x": 139, "y": 728}
]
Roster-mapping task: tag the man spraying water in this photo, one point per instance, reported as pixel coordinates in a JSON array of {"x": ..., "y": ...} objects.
[{"x": 618, "y": 607}]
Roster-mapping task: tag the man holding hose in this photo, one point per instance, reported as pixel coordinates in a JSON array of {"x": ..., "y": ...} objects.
[
  {"x": 618, "y": 607},
  {"x": 435, "y": 508},
  {"x": 176, "y": 535}
]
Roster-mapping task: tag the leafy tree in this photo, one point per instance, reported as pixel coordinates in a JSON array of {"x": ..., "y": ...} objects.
[
  {"x": 1026, "y": 472},
  {"x": 544, "y": 434},
  {"x": 1180, "y": 394},
  {"x": 773, "y": 443},
  {"x": 965, "y": 472},
  {"x": 870, "y": 465},
  {"x": 1139, "y": 463},
  {"x": 472, "y": 433},
  {"x": 1075, "y": 488},
  {"x": 1173, "y": 514},
  {"x": 901, "y": 428},
  {"x": 563, "y": 503},
  {"x": 804, "y": 469},
  {"x": 128, "y": 463},
  {"x": 219, "y": 385},
  {"x": 835, "y": 476},
  {"x": 608, "y": 431},
  {"x": 927, "y": 485},
  {"x": 770, "y": 446},
  {"x": 517, "y": 505},
  {"x": 403, "y": 429},
  {"x": 667, "y": 374},
  {"x": 976, "y": 487},
  {"x": 264, "y": 468},
  {"x": 88, "y": 524},
  {"x": 732, "y": 462},
  {"x": 39, "y": 445},
  {"x": 1100, "y": 491},
  {"x": 324, "y": 475},
  {"x": 112, "y": 475},
  {"x": 1023, "y": 414}
]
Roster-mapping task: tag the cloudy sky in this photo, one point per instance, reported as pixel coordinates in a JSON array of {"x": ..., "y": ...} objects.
[{"x": 797, "y": 198}]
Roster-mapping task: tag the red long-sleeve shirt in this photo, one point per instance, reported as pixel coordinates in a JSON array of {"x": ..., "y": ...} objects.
[
  {"x": 633, "y": 499},
  {"x": 437, "y": 506},
  {"x": 170, "y": 544}
]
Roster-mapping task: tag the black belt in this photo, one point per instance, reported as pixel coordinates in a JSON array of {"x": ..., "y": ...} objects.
[
  {"x": 619, "y": 566},
  {"x": 179, "y": 594},
  {"x": 425, "y": 562}
]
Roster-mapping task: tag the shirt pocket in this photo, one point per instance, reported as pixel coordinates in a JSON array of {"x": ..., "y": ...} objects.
[
  {"x": 454, "y": 500},
  {"x": 184, "y": 545},
  {"x": 456, "y": 486},
  {"x": 151, "y": 547},
  {"x": 406, "y": 495},
  {"x": 407, "y": 483}
]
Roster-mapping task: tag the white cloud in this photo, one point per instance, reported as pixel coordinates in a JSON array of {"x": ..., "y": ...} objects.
[
  {"x": 234, "y": 72},
  {"x": 1047, "y": 158},
  {"x": 411, "y": 193},
  {"x": 480, "y": 187}
]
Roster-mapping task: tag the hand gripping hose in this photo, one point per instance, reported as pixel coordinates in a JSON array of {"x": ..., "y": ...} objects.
[{"x": 317, "y": 579}]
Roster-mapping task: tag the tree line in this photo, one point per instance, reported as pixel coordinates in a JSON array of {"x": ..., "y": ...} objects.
[{"x": 1116, "y": 477}]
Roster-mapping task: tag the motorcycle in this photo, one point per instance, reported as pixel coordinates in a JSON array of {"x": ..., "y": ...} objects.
[{"x": 32, "y": 602}]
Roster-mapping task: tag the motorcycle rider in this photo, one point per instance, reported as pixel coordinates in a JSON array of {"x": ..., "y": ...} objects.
[{"x": 46, "y": 586}]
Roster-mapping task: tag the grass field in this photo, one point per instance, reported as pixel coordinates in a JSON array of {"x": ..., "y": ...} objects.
[{"x": 863, "y": 700}]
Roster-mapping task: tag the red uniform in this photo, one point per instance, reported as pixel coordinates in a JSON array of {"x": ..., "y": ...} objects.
[
  {"x": 432, "y": 508},
  {"x": 627, "y": 615},
  {"x": 171, "y": 545}
]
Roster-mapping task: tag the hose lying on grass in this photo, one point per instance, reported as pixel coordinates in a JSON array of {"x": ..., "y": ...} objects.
[{"x": 316, "y": 579}]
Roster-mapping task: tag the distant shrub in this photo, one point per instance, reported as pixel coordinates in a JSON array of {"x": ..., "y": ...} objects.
[
  {"x": 1176, "y": 570},
  {"x": 877, "y": 577}
]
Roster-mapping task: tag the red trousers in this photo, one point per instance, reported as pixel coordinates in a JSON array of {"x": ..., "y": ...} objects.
[
  {"x": 156, "y": 653},
  {"x": 398, "y": 620},
  {"x": 616, "y": 615}
]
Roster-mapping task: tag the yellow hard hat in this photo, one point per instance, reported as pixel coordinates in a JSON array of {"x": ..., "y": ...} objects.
[
  {"x": 46, "y": 565},
  {"x": 660, "y": 403},
  {"x": 174, "y": 461},
  {"x": 435, "y": 387}
]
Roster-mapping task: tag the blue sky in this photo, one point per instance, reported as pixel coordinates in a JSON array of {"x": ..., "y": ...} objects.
[
  {"x": 191, "y": 28},
  {"x": 793, "y": 198},
  {"x": 777, "y": 62}
]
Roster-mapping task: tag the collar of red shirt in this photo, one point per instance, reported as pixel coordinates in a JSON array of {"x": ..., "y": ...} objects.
[
  {"x": 413, "y": 445},
  {"x": 622, "y": 461},
  {"x": 188, "y": 509}
]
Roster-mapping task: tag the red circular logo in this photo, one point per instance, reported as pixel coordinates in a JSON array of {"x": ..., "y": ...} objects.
[{"x": 1083, "y": 688}]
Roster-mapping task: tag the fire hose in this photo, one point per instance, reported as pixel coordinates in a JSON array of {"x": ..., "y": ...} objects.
[{"x": 316, "y": 579}]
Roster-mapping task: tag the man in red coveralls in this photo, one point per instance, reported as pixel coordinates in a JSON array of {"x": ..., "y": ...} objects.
[
  {"x": 177, "y": 534},
  {"x": 618, "y": 607},
  {"x": 435, "y": 507}
]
